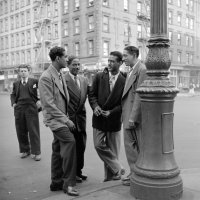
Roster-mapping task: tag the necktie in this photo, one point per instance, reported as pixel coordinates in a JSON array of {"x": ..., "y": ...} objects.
[
  {"x": 60, "y": 78},
  {"x": 24, "y": 82},
  {"x": 111, "y": 81},
  {"x": 76, "y": 81}
]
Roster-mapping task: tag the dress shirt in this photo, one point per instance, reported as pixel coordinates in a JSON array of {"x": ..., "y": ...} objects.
[
  {"x": 24, "y": 80},
  {"x": 112, "y": 80},
  {"x": 78, "y": 81},
  {"x": 130, "y": 71}
]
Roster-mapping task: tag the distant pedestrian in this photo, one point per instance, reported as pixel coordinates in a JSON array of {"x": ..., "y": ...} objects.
[
  {"x": 78, "y": 90},
  {"x": 191, "y": 90},
  {"x": 55, "y": 100},
  {"x": 105, "y": 100},
  {"x": 26, "y": 104},
  {"x": 131, "y": 106}
]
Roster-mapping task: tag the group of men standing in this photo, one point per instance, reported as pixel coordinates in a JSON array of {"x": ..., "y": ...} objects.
[{"x": 114, "y": 101}]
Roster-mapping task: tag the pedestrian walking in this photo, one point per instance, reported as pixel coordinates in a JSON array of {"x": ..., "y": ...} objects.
[
  {"x": 131, "y": 106},
  {"x": 78, "y": 90},
  {"x": 55, "y": 100},
  {"x": 105, "y": 100},
  {"x": 26, "y": 104}
]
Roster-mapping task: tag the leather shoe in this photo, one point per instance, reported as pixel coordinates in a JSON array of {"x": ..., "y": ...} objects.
[
  {"x": 56, "y": 186},
  {"x": 83, "y": 176},
  {"x": 116, "y": 177},
  {"x": 36, "y": 157},
  {"x": 127, "y": 178},
  {"x": 107, "y": 179},
  {"x": 70, "y": 191},
  {"x": 25, "y": 155},
  {"x": 79, "y": 179},
  {"x": 126, "y": 182},
  {"x": 122, "y": 171}
]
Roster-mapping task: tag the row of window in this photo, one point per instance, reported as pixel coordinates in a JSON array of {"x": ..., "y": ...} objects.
[
  {"x": 19, "y": 20},
  {"x": 90, "y": 46},
  {"x": 189, "y": 40},
  {"x": 48, "y": 32},
  {"x": 189, "y": 21},
  {"x": 24, "y": 56},
  {"x": 16, "y": 40},
  {"x": 91, "y": 25},
  {"x": 16, "y": 58},
  {"x": 189, "y": 4},
  {"x": 14, "y": 5},
  {"x": 20, "y": 57},
  {"x": 49, "y": 10},
  {"x": 179, "y": 56},
  {"x": 77, "y": 4}
]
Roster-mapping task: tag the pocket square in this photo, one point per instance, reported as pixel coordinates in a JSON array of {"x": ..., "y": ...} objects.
[{"x": 34, "y": 86}]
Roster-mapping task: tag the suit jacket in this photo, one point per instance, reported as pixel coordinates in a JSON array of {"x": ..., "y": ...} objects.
[
  {"x": 100, "y": 95},
  {"x": 131, "y": 105},
  {"x": 32, "y": 87},
  {"x": 76, "y": 107},
  {"x": 54, "y": 99}
]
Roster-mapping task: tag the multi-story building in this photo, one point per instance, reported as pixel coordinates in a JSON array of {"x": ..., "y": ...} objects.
[
  {"x": 90, "y": 29},
  {"x": 93, "y": 28},
  {"x": 28, "y": 28},
  {"x": 183, "y": 28}
]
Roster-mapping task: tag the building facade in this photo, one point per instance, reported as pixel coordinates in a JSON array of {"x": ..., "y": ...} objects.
[
  {"x": 28, "y": 28},
  {"x": 90, "y": 29}
]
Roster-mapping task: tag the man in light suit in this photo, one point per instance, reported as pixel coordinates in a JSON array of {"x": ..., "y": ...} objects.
[
  {"x": 131, "y": 106},
  {"x": 105, "y": 100},
  {"x": 54, "y": 99},
  {"x": 78, "y": 89},
  {"x": 26, "y": 104}
]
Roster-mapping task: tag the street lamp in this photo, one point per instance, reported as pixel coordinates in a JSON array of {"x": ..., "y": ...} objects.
[{"x": 156, "y": 174}]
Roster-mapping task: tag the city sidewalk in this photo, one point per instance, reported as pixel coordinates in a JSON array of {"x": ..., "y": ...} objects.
[{"x": 114, "y": 190}]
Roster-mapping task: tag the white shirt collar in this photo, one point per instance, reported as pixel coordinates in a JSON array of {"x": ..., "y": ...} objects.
[
  {"x": 72, "y": 76},
  {"x": 26, "y": 80},
  {"x": 131, "y": 69},
  {"x": 116, "y": 75}
]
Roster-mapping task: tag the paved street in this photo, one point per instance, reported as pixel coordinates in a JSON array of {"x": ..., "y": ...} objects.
[{"x": 25, "y": 179}]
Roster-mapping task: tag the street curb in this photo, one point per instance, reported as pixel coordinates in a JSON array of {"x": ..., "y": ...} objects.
[
  {"x": 98, "y": 187},
  {"x": 85, "y": 191}
]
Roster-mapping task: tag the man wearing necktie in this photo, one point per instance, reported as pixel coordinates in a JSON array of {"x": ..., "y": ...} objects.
[
  {"x": 131, "y": 108},
  {"x": 105, "y": 100},
  {"x": 26, "y": 104},
  {"x": 78, "y": 90},
  {"x": 55, "y": 100}
]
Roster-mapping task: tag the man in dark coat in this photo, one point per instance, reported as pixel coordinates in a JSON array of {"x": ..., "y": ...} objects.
[
  {"x": 26, "y": 104},
  {"x": 105, "y": 100},
  {"x": 78, "y": 90}
]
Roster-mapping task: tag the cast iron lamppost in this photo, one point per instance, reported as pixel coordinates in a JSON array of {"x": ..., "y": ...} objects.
[{"x": 156, "y": 174}]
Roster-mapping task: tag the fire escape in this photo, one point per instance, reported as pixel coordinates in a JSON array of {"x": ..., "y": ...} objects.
[
  {"x": 42, "y": 34},
  {"x": 143, "y": 32}
]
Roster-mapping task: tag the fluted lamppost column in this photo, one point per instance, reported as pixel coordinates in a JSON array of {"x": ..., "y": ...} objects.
[{"x": 156, "y": 174}]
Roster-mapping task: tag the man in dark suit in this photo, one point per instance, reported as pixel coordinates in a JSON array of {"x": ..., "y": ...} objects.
[
  {"x": 78, "y": 89},
  {"x": 131, "y": 106},
  {"x": 105, "y": 100},
  {"x": 26, "y": 104},
  {"x": 54, "y": 99}
]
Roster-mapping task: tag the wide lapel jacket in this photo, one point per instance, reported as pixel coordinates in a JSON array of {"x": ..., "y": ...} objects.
[
  {"x": 84, "y": 90},
  {"x": 71, "y": 86},
  {"x": 130, "y": 80},
  {"x": 33, "y": 91},
  {"x": 62, "y": 87},
  {"x": 118, "y": 87}
]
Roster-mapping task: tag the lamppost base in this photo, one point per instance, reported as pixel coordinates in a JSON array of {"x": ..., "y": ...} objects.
[{"x": 143, "y": 188}]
